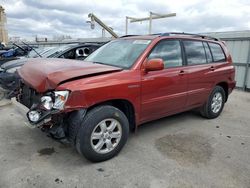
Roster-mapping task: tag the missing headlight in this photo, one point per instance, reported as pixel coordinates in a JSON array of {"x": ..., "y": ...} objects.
[{"x": 47, "y": 102}]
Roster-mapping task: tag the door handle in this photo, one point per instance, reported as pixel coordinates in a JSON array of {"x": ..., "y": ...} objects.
[
  {"x": 212, "y": 68},
  {"x": 182, "y": 72}
]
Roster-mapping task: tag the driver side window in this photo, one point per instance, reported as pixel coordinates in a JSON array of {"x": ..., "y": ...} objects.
[{"x": 169, "y": 51}]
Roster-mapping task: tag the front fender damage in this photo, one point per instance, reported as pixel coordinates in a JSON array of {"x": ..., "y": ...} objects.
[
  {"x": 74, "y": 122},
  {"x": 64, "y": 127}
]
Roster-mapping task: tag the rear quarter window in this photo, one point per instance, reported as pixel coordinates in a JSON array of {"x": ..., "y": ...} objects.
[{"x": 217, "y": 52}]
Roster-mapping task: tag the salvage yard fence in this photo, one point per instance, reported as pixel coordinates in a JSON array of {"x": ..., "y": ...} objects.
[
  {"x": 238, "y": 43},
  {"x": 240, "y": 50}
]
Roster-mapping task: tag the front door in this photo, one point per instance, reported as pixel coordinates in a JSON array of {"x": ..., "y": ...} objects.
[{"x": 164, "y": 92}]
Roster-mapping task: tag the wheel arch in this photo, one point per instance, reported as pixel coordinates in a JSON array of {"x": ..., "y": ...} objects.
[
  {"x": 125, "y": 106},
  {"x": 224, "y": 85}
]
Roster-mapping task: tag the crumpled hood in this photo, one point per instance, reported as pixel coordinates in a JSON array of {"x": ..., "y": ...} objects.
[{"x": 47, "y": 74}]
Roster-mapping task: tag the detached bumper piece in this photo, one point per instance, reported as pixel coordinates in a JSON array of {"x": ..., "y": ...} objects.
[{"x": 59, "y": 129}]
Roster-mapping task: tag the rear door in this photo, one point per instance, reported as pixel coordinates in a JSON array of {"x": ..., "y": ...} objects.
[
  {"x": 201, "y": 71},
  {"x": 164, "y": 92}
]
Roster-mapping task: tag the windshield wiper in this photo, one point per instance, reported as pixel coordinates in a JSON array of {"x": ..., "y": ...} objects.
[
  {"x": 32, "y": 48},
  {"x": 19, "y": 47},
  {"x": 106, "y": 64},
  {"x": 97, "y": 62}
]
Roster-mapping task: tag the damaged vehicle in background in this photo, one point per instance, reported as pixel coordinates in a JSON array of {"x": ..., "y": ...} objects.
[
  {"x": 9, "y": 79},
  {"x": 123, "y": 84},
  {"x": 8, "y": 75},
  {"x": 15, "y": 53}
]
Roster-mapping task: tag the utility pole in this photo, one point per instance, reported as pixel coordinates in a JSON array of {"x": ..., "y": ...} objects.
[
  {"x": 151, "y": 17},
  {"x": 128, "y": 18},
  {"x": 3, "y": 30}
]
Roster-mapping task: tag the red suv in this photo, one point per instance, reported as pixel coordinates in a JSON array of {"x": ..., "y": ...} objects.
[{"x": 129, "y": 81}]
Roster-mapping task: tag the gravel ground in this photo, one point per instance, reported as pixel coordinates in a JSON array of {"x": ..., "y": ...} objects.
[{"x": 184, "y": 150}]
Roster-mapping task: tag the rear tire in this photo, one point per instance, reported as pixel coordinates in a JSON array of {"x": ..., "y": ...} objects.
[
  {"x": 215, "y": 103},
  {"x": 102, "y": 134}
]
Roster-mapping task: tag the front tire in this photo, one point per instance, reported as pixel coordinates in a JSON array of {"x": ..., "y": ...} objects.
[
  {"x": 102, "y": 134},
  {"x": 215, "y": 103}
]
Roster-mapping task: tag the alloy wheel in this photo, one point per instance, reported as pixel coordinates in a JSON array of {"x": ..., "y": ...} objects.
[{"x": 106, "y": 136}]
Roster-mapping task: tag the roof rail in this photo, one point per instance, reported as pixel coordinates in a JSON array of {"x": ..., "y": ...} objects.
[
  {"x": 191, "y": 34},
  {"x": 128, "y": 36}
]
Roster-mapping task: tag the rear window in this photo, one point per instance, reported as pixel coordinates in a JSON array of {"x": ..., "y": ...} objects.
[
  {"x": 217, "y": 52},
  {"x": 195, "y": 52}
]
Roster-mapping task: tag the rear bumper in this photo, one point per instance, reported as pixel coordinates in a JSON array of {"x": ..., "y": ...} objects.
[{"x": 231, "y": 86}]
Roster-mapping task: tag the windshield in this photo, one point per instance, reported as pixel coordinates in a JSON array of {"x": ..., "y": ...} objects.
[
  {"x": 56, "y": 50},
  {"x": 120, "y": 53},
  {"x": 41, "y": 51}
]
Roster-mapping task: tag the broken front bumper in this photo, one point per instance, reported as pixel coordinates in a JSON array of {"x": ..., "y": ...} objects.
[
  {"x": 38, "y": 117},
  {"x": 42, "y": 106},
  {"x": 23, "y": 110},
  {"x": 29, "y": 99}
]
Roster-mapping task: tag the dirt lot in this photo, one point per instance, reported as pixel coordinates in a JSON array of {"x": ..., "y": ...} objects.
[{"x": 184, "y": 150}]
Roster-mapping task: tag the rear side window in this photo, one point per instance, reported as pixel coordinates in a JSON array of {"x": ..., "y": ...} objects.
[
  {"x": 169, "y": 51},
  {"x": 217, "y": 52},
  {"x": 195, "y": 52}
]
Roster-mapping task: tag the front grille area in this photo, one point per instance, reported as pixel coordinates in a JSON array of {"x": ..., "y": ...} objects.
[{"x": 28, "y": 96}]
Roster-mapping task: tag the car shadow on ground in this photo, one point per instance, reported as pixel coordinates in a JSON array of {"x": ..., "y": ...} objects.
[
  {"x": 38, "y": 146},
  {"x": 58, "y": 150}
]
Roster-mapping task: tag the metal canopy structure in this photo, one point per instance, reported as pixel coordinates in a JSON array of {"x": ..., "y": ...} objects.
[
  {"x": 151, "y": 17},
  {"x": 94, "y": 19}
]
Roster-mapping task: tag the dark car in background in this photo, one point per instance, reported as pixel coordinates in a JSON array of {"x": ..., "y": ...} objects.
[
  {"x": 15, "y": 52},
  {"x": 9, "y": 78},
  {"x": 70, "y": 51}
]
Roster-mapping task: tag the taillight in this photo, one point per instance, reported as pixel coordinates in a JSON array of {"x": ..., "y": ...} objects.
[
  {"x": 224, "y": 42},
  {"x": 229, "y": 59}
]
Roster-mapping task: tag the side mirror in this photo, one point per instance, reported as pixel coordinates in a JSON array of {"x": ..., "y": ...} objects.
[{"x": 154, "y": 65}]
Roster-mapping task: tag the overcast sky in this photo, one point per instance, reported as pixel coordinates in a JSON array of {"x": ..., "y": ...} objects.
[{"x": 27, "y": 18}]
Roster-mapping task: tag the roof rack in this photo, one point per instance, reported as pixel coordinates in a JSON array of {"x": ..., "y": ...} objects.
[
  {"x": 191, "y": 34},
  {"x": 177, "y": 33},
  {"x": 156, "y": 34},
  {"x": 128, "y": 36}
]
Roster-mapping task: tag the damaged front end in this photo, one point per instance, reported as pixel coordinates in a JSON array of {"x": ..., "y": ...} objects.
[
  {"x": 42, "y": 106},
  {"x": 48, "y": 104},
  {"x": 46, "y": 111}
]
